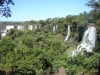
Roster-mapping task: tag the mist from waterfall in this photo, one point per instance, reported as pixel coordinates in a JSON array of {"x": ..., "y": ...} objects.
[
  {"x": 68, "y": 33},
  {"x": 88, "y": 42}
]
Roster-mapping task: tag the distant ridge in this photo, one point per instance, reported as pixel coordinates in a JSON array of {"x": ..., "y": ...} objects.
[{"x": 12, "y": 21}]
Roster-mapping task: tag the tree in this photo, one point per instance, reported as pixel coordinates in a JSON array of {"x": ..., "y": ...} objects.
[
  {"x": 94, "y": 4},
  {"x": 4, "y": 7}
]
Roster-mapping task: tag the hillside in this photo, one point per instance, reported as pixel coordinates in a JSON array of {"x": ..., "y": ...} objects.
[{"x": 43, "y": 51}]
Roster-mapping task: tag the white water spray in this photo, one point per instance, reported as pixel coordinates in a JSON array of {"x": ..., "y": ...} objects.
[
  {"x": 30, "y": 27},
  {"x": 5, "y": 31},
  {"x": 54, "y": 28},
  {"x": 68, "y": 34},
  {"x": 35, "y": 26},
  {"x": 20, "y": 27},
  {"x": 88, "y": 42}
]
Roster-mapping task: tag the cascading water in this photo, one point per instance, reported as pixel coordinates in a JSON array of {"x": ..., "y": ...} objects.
[
  {"x": 54, "y": 28},
  {"x": 35, "y": 26},
  {"x": 20, "y": 27},
  {"x": 68, "y": 34},
  {"x": 88, "y": 42},
  {"x": 30, "y": 27},
  {"x": 5, "y": 31}
]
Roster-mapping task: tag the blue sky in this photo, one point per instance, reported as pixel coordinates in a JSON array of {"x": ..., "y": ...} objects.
[{"x": 26, "y": 10}]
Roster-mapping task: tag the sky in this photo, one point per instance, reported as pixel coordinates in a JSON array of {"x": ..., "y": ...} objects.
[{"x": 26, "y": 10}]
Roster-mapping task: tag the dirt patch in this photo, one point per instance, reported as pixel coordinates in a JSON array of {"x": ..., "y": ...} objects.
[{"x": 61, "y": 71}]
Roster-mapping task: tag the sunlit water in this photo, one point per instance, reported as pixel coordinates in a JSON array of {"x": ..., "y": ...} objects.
[
  {"x": 68, "y": 34},
  {"x": 88, "y": 42}
]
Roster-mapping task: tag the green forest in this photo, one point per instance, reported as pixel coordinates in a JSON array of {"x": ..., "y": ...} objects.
[{"x": 43, "y": 51}]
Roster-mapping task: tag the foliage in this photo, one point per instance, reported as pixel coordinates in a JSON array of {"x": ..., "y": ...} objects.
[
  {"x": 4, "y": 7},
  {"x": 42, "y": 51}
]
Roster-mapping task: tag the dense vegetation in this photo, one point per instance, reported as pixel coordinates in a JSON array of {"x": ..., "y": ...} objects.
[{"x": 42, "y": 51}]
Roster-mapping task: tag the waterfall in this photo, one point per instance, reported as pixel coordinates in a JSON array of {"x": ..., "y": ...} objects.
[
  {"x": 35, "y": 26},
  {"x": 88, "y": 42},
  {"x": 68, "y": 34},
  {"x": 5, "y": 31},
  {"x": 9, "y": 27},
  {"x": 54, "y": 28},
  {"x": 3, "y": 34},
  {"x": 30, "y": 27},
  {"x": 19, "y": 27}
]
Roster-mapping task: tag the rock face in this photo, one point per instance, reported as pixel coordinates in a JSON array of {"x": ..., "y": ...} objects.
[
  {"x": 81, "y": 30},
  {"x": 61, "y": 71}
]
